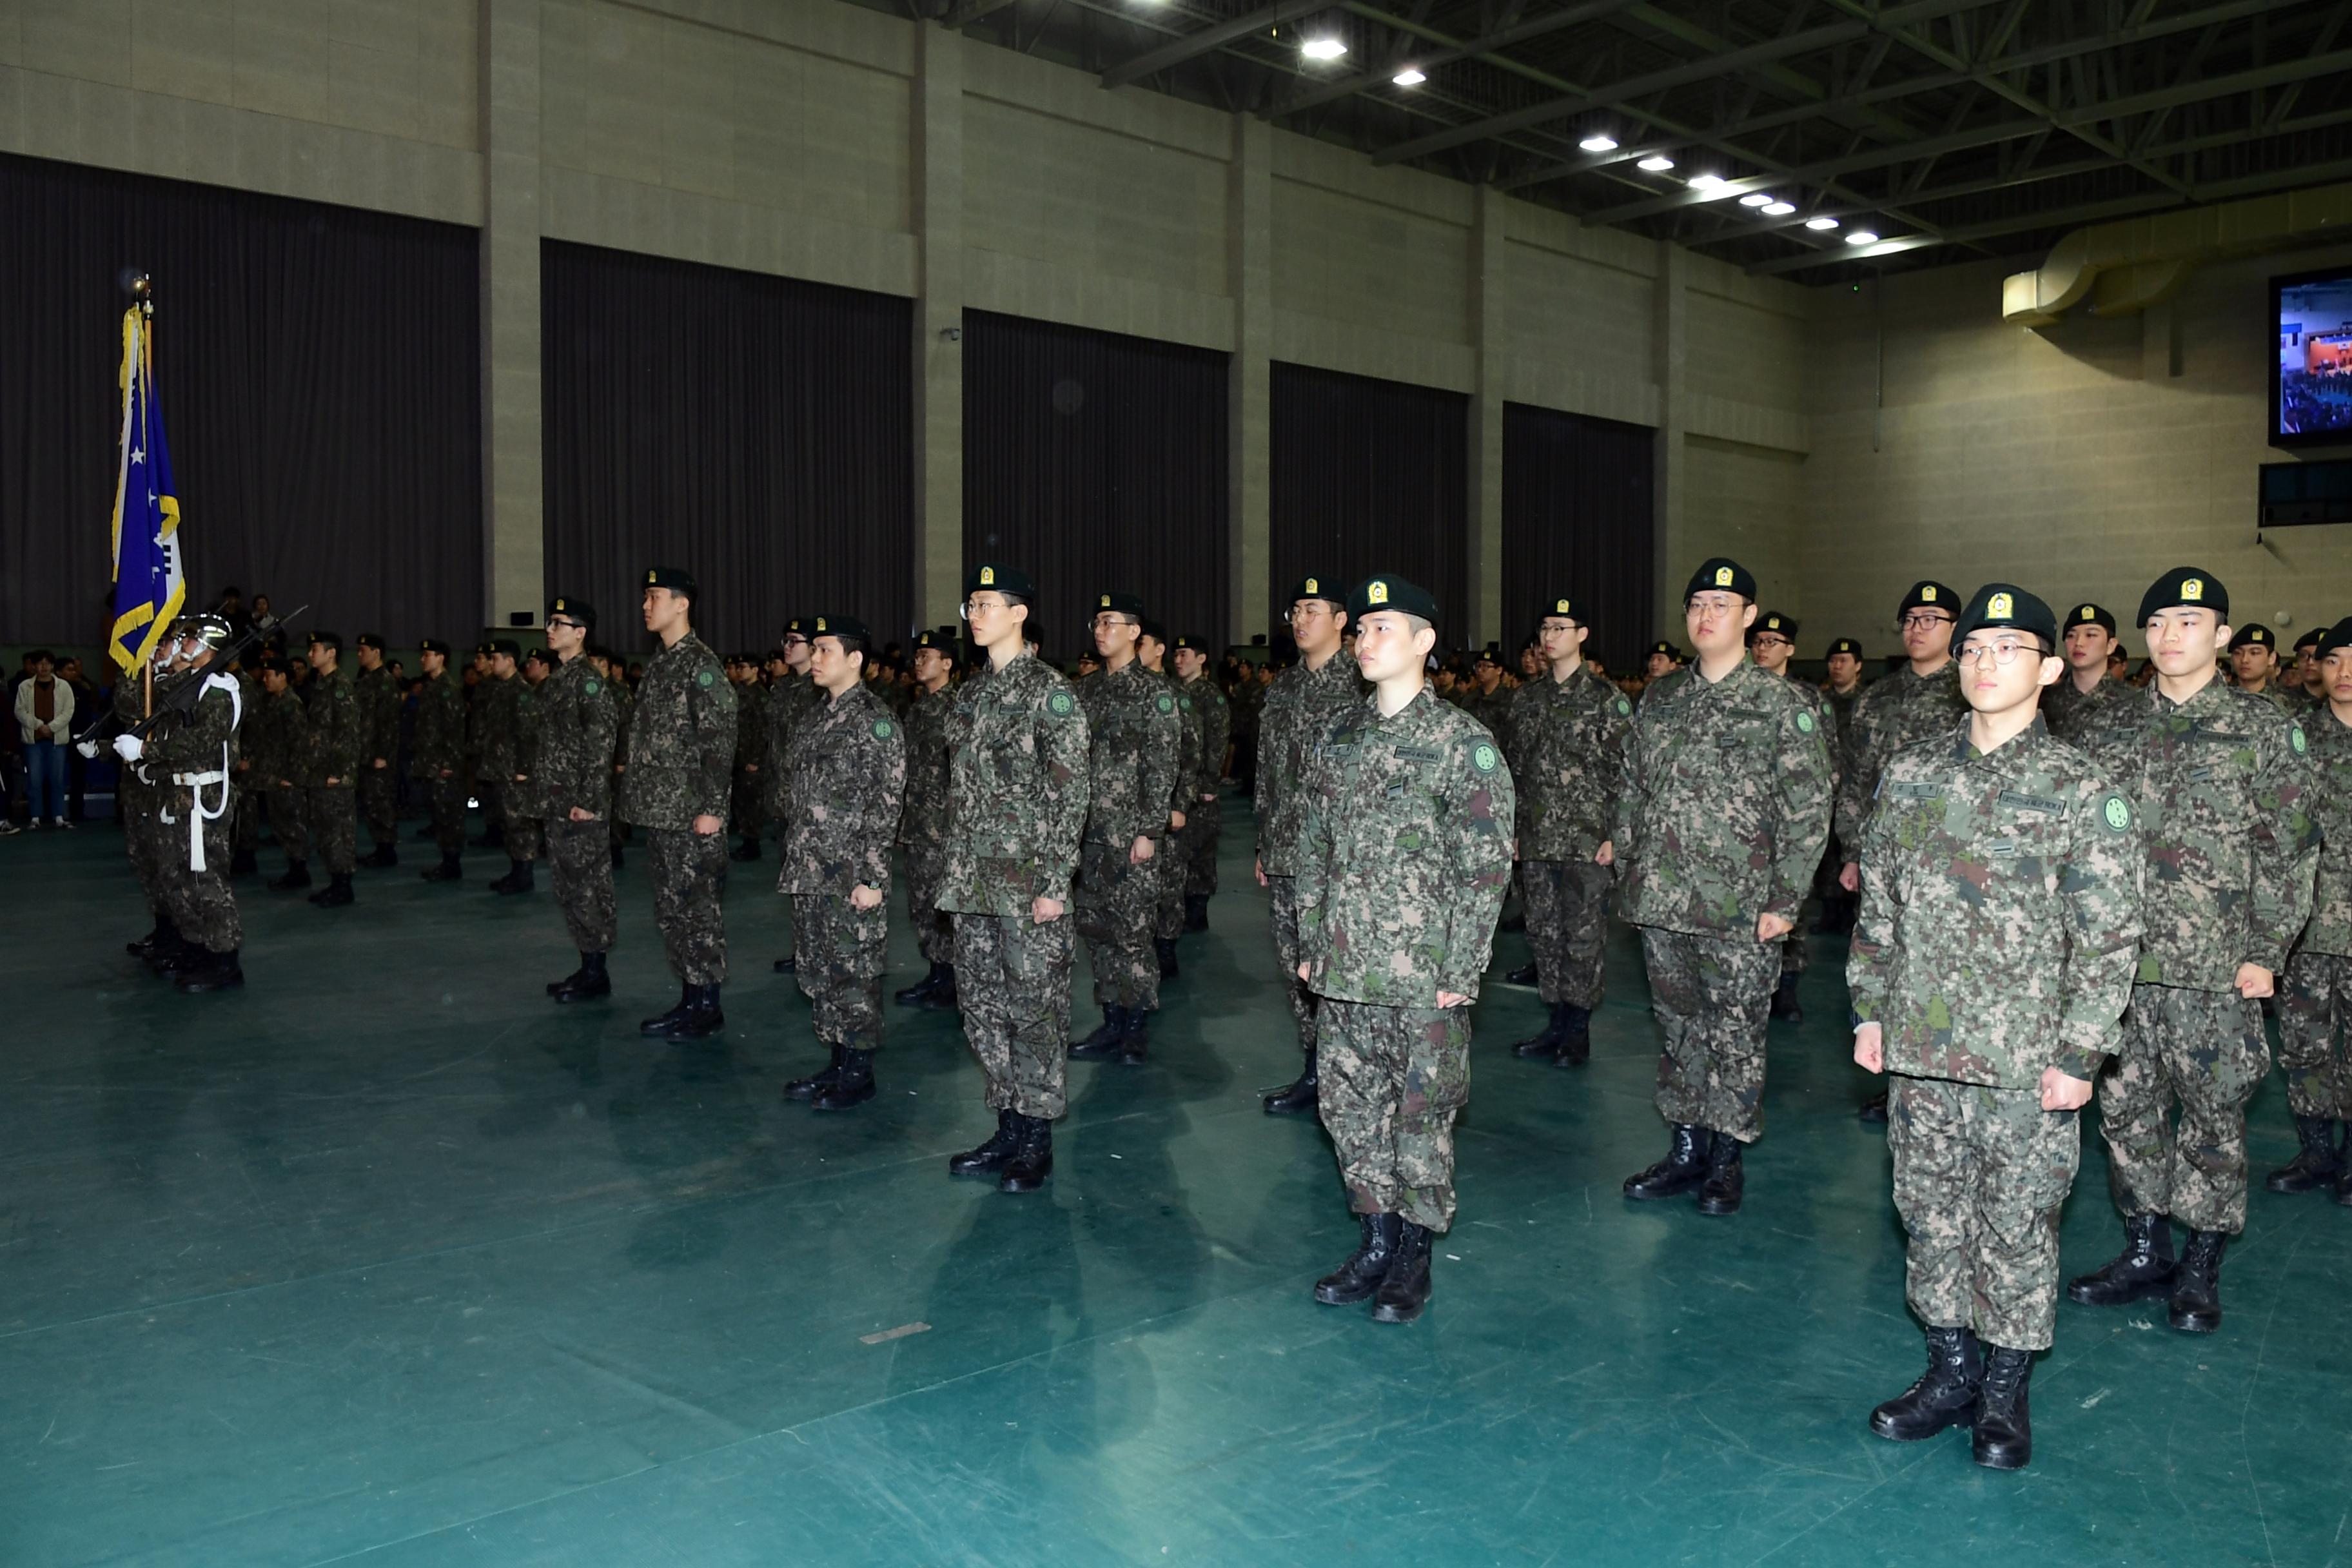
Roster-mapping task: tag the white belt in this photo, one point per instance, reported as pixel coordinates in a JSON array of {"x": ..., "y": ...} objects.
[{"x": 187, "y": 779}]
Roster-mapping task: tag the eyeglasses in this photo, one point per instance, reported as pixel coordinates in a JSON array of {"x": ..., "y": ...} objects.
[
  {"x": 1920, "y": 620},
  {"x": 1306, "y": 610},
  {"x": 1111, "y": 619},
  {"x": 2004, "y": 651},
  {"x": 1558, "y": 628},
  {"x": 1768, "y": 641},
  {"x": 978, "y": 606},
  {"x": 568, "y": 625}
]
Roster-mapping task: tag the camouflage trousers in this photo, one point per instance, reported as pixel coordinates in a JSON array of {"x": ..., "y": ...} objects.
[
  {"x": 2315, "y": 1015},
  {"x": 523, "y": 831},
  {"x": 843, "y": 950},
  {"x": 1567, "y": 928},
  {"x": 1203, "y": 826},
  {"x": 1282, "y": 902},
  {"x": 245, "y": 836},
  {"x": 580, "y": 856},
  {"x": 1793, "y": 956},
  {"x": 1393, "y": 1079},
  {"x": 286, "y": 821},
  {"x": 142, "y": 839},
  {"x": 202, "y": 907},
  {"x": 332, "y": 818},
  {"x": 927, "y": 868},
  {"x": 494, "y": 811},
  {"x": 1013, "y": 981},
  {"x": 1979, "y": 1176},
  {"x": 2204, "y": 1051},
  {"x": 379, "y": 802},
  {"x": 1168, "y": 914},
  {"x": 448, "y": 800},
  {"x": 1117, "y": 904},
  {"x": 1713, "y": 997},
  {"x": 689, "y": 875},
  {"x": 743, "y": 804}
]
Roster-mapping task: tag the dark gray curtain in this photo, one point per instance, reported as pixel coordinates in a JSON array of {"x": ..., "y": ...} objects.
[
  {"x": 317, "y": 372},
  {"x": 1577, "y": 520},
  {"x": 1370, "y": 476},
  {"x": 1096, "y": 462},
  {"x": 757, "y": 431}
]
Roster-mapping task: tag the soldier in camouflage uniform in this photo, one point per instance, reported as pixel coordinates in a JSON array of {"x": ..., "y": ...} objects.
[
  {"x": 1488, "y": 700},
  {"x": 1248, "y": 701},
  {"x": 1772, "y": 642},
  {"x": 1018, "y": 793},
  {"x": 330, "y": 769},
  {"x": 625, "y": 705},
  {"x": 437, "y": 758},
  {"x": 2315, "y": 1009},
  {"x": 1991, "y": 962},
  {"x": 1168, "y": 917},
  {"x": 188, "y": 758},
  {"x": 751, "y": 752},
  {"x": 1720, "y": 821},
  {"x": 1838, "y": 698},
  {"x": 681, "y": 766},
  {"x": 1920, "y": 699},
  {"x": 1136, "y": 736},
  {"x": 848, "y": 783},
  {"x": 484, "y": 777},
  {"x": 1300, "y": 708},
  {"x": 791, "y": 698},
  {"x": 1204, "y": 818},
  {"x": 1404, "y": 851},
  {"x": 2305, "y": 684},
  {"x": 2223, "y": 781},
  {"x": 1663, "y": 670},
  {"x": 923, "y": 820},
  {"x": 1567, "y": 752},
  {"x": 2253, "y": 660},
  {"x": 377, "y": 697},
  {"x": 502, "y": 709},
  {"x": 274, "y": 738},
  {"x": 2078, "y": 705},
  {"x": 571, "y": 766}
]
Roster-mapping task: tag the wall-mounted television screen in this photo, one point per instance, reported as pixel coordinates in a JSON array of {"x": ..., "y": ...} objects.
[{"x": 2311, "y": 382}]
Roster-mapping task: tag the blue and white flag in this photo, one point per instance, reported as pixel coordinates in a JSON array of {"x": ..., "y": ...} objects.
[{"x": 148, "y": 587}]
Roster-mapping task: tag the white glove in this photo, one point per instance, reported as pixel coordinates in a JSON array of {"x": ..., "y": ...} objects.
[{"x": 129, "y": 747}]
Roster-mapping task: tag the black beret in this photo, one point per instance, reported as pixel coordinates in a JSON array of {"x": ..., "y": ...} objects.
[
  {"x": 1127, "y": 604},
  {"x": 1564, "y": 606},
  {"x": 572, "y": 608},
  {"x": 2005, "y": 604},
  {"x": 1663, "y": 647},
  {"x": 840, "y": 627},
  {"x": 328, "y": 639},
  {"x": 2185, "y": 588},
  {"x": 540, "y": 656},
  {"x": 1724, "y": 574},
  {"x": 1003, "y": 579},
  {"x": 1192, "y": 640},
  {"x": 434, "y": 644},
  {"x": 483, "y": 648},
  {"x": 1929, "y": 594},
  {"x": 2255, "y": 636},
  {"x": 1844, "y": 645},
  {"x": 2092, "y": 615},
  {"x": 1156, "y": 631},
  {"x": 271, "y": 661},
  {"x": 676, "y": 579},
  {"x": 1774, "y": 622},
  {"x": 927, "y": 637},
  {"x": 2336, "y": 637},
  {"x": 1385, "y": 593},
  {"x": 371, "y": 639},
  {"x": 1491, "y": 654},
  {"x": 2311, "y": 638},
  {"x": 508, "y": 647},
  {"x": 1317, "y": 587}
]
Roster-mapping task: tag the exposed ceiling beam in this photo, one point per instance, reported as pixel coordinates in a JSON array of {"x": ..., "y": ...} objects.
[
  {"x": 1813, "y": 173},
  {"x": 2210, "y": 87},
  {"x": 1176, "y": 51},
  {"x": 1533, "y": 27},
  {"x": 964, "y": 13}
]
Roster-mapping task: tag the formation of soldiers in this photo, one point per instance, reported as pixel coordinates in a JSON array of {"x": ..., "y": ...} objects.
[{"x": 2053, "y": 882}]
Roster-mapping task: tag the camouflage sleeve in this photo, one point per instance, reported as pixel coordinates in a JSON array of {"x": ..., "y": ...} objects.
[
  {"x": 1216, "y": 738},
  {"x": 600, "y": 726},
  {"x": 711, "y": 716},
  {"x": 1801, "y": 779},
  {"x": 2286, "y": 848},
  {"x": 1612, "y": 724},
  {"x": 1063, "y": 745},
  {"x": 1156, "y": 768},
  {"x": 1873, "y": 923},
  {"x": 1516, "y": 744},
  {"x": 1857, "y": 772},
  {"x": 2100, "y": 884},
  {"x": 882, "y": 765},
  {"x": 1481, "y": 852},
  {"x": 1318, "y": 782},
  {"x": 1267, "y": 796},
  {"x": 1621, "y": 834}
]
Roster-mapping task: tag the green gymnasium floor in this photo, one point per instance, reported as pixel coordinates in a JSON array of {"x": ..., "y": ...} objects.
[{"x": 385, "y": 1257}]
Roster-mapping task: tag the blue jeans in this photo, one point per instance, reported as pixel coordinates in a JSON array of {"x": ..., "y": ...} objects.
[{"x": 45, "y": 778}]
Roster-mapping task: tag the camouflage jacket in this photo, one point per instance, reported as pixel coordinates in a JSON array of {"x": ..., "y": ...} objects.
[
  {"x": 497, "y": 727},
  {"x": 681, "y": 740},
  {"x": 752, "y": 725},
  {"x": 1138, "y": 738},
  {"x": 789, "y": 701},
  {"x": 332, "y": 737},
  {"x": 377, "y": 696},
  {"x": 1184, "y": 787},
  {"x": 1567, "y": 747},
  {"x": 2000, "y": 916},
  {"x": 1724, "y": 804},
  {"x": 574, "y": 717},
  {"x": 195, "y": 742},
  {"x": 1840, "y": 711},
  {"x": 440, "y": 738},
  {"x": 847, "y": 773},
  {"x": 531, "y": 791},
  {"x": 1216, "y": 714},
  {"x": 1404, "y": 852},
  {"x": 1492, "y": 709},
  {"x": 2223, "y": 786},
  {"x": 1018, "y": 789},
  {"x": 1247, "y": 701},
  {"x": 924, "y": 817},
  {"x": 1300, "y": 708},
  {"x": 2074, "y": 716},
  {"x": 1890, "y": 714},
  {"x": 2329, "y": 929},
  {"x": 277, "y": 738}
]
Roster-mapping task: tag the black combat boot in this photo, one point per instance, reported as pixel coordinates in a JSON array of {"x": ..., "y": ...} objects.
[
  {"x": 1033, "y": 1161},
  {"x": 176, "y": 957},
  {"x": 1873, "y": 1110},
  {"x": 166, "y": 935},
  {"x": 2142, "y": 1269},
  {"x": 1166, "y": 947},
  {"x": 920, "y": 992},
  {"x": 990, "y": 1157},
  {"x": 336, "y": 893},
  {"x": 854, "y": 1085},
  {"x": 519, "y": 878},
  {"x": 1945, "y": 1395},
  {"x": 661, "y": 1024},
  {"x": 2315, "y": 1164},
  {"x": 619, "y": 859},
  {"x": 702, "y": 1019},
  {"x": 1575, "y": 1038},
  {"x": 584, "y": 983},
  {"x": 1134, "y": 1037},
  {"x": 2004, "y": 1437},
  {"x": 297, "y": 877},
  {"x": 945, "y": 997},
  {"x": 2196, "y": 1284},
  {"x": 1784, "y": 999},
  {"x": 451, "y": 870},
  {"x": 243, "y": 863},
  {"x": 494, "y": 836},
  {"x": 383, "y": 855},
  {"x": 788, "y": 965},
  {"x": 1104, "y": 1041},
  {"x": 217, "y": 971},
  {"x": 1196, "y": 912},
  {"x": 1525, "y": 974},
  {"x": 747, "y": 850},
  {"x": 1404, "y": 1290},
  {"x": 817, "y": 1082},
  {"x": 1545, "y": 1042},
  {"x": 1360, "y": 1275},
  {"x": 1683, "y": 1167},
  {"x": 1727, "y": 1179},
  {"x": 1301, "y": 1097}
]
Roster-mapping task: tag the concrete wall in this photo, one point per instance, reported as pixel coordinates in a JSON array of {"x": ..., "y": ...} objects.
[{"x": 821, "y": 140}]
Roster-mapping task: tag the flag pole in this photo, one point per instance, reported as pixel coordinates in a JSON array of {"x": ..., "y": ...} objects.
[{"x": 142, "y": 295}]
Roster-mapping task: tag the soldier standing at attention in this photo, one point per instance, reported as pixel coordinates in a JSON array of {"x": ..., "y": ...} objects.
[
  {"x": 623, "y": 706},
  {"x": 1393, "y": 939},
  {"x": 790, "y": 698},
  {"x": 2078, "y": 705},
  {"x": 1489, "y": 699},
  {"x": 2306, "y": 684},
  {"x": 1017, "y": 769},
  {"x": 2223, "y": 780},
  {"x": 1567, "y": 757},
  {"x": 377, "y": 696},
  {"x": 571, "y": 766},
  {"x": 1135, "y": 735},
  {"x": 1203, "y": 818},
  {"x": 1168, "y": 917},
  {"x": 1770, "y": 643},
  {"x": 1719, "y": 824},
  {"x": 681, "y": 764},
  {"x": 751, "y": 751},
  {"x": 1920, "y": 699},
  {"x": 1844, "y": 665},
  {"x": 437, "y": 758},
  {"x": 1663, "y": 669},
  {"x": 847, "y": 782},
  {"x": 330, "y": 775},
  {"x": 279, "y": 740},
  {"x": 2253, "y": 659},
  {"x": 485, "y": 778},
  {"x": 188, "y": 756},
  {"x": 2314, "y": 1009},
  {"x": 1300, "y": 708},
  {"x": 504, "y": 702},
  {"x": 1991, "y": 962},
  {"x": 923, "y": 820}
]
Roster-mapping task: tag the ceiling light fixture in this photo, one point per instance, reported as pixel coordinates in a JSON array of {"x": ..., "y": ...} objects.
[
  {"x": 1818, "y": 223},
  {"x": 1754, "y": 199},
  {"x": 1599, "y": 142},
  {"x": 1779, "y": 210},
  {"x": 1706, "y": 181},
  {"x": 1862, "y": 237},
  {"x": 1326, "y": 48},
  {"x": 1412, "y": 76},
  {"x": 1655, "y": 163}
]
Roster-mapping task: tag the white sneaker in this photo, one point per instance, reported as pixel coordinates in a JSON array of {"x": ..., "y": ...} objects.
[
  {"x": 8, "y": 829},
  {"x": 62, "y": 824}
]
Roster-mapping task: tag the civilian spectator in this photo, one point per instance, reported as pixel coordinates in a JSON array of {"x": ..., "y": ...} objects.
[
  {"x": 45, "y": 709},
  {"x": 86, "y": 704}
]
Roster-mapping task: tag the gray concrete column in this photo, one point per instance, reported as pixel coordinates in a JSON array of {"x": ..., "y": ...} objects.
[
  {"x": 939, "y": 311},
  {"x": 1491, "y": 335},
  {"x": 1671, "y": 336},
  {"x": 513, "y": 497},
  {"x": 1249, "y": 398}
]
